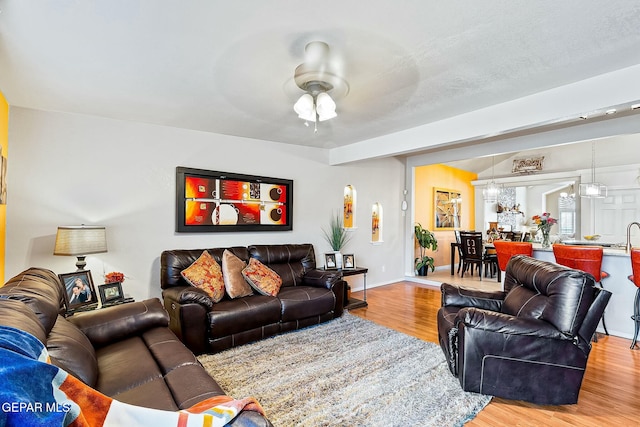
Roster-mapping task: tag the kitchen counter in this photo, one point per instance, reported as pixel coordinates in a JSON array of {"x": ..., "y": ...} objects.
[{"x": 614, "y": 249}]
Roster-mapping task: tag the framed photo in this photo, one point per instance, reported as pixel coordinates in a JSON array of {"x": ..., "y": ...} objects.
[
  {"x": 330, "y": 261},
  {"x": 212, "y": 201},
  {"x": 447, "y": 209},
  {"x": 79, "y": 290},
  {"x": 111, "y": 292},
  {"x": 348, "y": 261}
]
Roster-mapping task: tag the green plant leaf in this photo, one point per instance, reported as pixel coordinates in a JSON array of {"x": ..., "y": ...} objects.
[{"x": 336, "y": 235}]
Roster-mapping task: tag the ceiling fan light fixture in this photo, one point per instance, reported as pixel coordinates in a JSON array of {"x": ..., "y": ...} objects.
[
  {"x": 317, "y": 78},
  {"x": 305, "y": 108},
  {"x": 325, "y": 106}
]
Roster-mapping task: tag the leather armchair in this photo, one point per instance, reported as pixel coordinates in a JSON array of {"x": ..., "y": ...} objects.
[{"x": 529, "y": 342}]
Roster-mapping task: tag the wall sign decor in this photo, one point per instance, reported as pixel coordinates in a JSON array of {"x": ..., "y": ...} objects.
[
  {"x": 447, "y": 207},
  {"x": 528, "y": 165},
  {"x": 212, "y": 201}
]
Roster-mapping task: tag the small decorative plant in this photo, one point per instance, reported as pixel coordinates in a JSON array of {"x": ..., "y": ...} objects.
[
  {"x": 336, "y": 235},
  {"x": 426, "y": 240},
  {"x": 114, "y": 276}
]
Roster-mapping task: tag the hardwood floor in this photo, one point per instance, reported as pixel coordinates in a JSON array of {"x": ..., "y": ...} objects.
[{"x": 610, "y": 394}]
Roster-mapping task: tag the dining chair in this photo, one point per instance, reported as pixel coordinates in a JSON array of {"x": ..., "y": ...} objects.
[
  {"x": 459, "y": 246},
  {"x": 635, "y": 279},
  {"x": 505, "y": 250},
  {"x": 472, "y": 252},
  {"x": 490, "y": 261},
  {"x": 584, "y": 258}
]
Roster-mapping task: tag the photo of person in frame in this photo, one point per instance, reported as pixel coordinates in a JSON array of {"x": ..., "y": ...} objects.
[
  {"x": 330, "y": 261},
  {"x": 79, "y": 288},
  {"x": 348, "y": 261}
]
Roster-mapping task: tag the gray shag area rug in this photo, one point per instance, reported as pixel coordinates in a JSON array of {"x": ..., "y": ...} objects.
[{"x": 346, "y": 372}]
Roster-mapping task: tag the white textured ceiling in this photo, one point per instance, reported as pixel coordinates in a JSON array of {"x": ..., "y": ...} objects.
[{"x": 226, "y": 67}]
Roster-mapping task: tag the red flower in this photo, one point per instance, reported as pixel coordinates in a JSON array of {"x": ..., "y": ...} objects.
[{"x": 114, "y": 277}]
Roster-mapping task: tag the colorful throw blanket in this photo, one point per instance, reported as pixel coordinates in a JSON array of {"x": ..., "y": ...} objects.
[{"x": 36, "y": 393}]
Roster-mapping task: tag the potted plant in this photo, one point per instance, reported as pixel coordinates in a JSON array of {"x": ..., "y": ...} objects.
[
  {"x": 337, "y": 237},
  {"x": 426, "y": 240}
]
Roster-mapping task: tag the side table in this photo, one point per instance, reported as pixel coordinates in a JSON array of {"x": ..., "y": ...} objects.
[{"x": 351, "y": 303}]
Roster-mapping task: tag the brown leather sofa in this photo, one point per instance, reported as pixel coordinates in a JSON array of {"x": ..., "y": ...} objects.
[
  {"x": 308, "y": 296},
  {"x": 126, "y": 352}
]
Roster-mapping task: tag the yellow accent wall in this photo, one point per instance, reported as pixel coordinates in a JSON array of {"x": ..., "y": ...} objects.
[
  {"x": 441, "y": 176},
  {"x": 4, "y": 143}
]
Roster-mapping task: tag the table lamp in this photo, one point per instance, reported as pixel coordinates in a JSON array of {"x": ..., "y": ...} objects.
[{"x": 80, "y": 241}]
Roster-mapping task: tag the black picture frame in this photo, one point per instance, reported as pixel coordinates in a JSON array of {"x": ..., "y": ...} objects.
[
  {"x": 83, "y": 281},
  {"x": 348, "y": 262},
  {"x": 330, "y": 261},
  {"x": 111, "y": 293},
  {"x": 213, "y": 201}
]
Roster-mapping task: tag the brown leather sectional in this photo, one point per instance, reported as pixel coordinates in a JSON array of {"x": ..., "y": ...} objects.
[
  {"x": 308, "y": 296},
  {"x": 126, "y": 352}
]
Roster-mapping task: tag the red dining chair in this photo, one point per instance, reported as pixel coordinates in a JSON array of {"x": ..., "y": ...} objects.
[
  {"x": 635, "y": 278},
  {"x": 584, "y": 258},
  {"x": 505, "y": 250}
]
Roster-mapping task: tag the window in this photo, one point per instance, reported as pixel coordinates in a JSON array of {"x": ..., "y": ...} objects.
[{"x": 567, "y": 215}]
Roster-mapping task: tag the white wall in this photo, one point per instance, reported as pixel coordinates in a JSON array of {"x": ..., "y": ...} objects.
[{"x": 71, "y": 169}]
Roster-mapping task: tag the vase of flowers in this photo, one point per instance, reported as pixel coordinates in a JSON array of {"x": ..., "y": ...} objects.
[{"x": 544, "y": 223}]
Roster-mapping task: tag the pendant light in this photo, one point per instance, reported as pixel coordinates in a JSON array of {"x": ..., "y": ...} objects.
[
  {"x": 491, "y": 191},
  {"x": 593, "y": 189}
]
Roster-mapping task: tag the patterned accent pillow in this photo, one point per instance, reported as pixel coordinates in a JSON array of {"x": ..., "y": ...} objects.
[
  {"x": 205, "y": 273},
  {"x": 234, "y": 282},
  {"x": 261, "y": 278}
]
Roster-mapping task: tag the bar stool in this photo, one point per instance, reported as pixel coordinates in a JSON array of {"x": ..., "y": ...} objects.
[
  {"x": 505, "y": 250},
  {"x": 584, "y": 258},
  {"x": 635, "y": 278}
]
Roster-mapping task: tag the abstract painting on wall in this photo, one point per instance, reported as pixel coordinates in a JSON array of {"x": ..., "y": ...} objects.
[
  {"x": 447, "y": 209},
  {"x": 212, "y": 201}
]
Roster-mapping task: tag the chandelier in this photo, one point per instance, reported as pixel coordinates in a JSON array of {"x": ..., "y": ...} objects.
[
  {"x": 316, "y": 77},
  {"x": 492, "y": 190},
  {"x": 593, "y": 189}
]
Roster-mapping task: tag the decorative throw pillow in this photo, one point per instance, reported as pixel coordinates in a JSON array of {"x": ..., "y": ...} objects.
[
  {"x": 205, "y": 273},
  {"x": 234, "y": 282},
  {"x": 262, "y": 278}
]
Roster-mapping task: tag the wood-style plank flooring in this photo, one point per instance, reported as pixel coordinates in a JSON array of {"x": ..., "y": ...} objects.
[{"x": 610, "y": 394}]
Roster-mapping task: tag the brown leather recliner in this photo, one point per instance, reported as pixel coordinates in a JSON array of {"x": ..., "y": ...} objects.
[
  {"x": 308, "y": 296},
  {"x": 530, "y": 342},
  {"x": 126, "y": 352}
]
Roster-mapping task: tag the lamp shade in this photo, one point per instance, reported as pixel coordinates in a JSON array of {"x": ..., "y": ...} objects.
[
  {"x": 593, "y": 190},
  {"x": 325, "y": 106},
  {"x": 305, "y": 108},
  {"x": 490, "y": 192},
  {"x": 80, "y": 240}
]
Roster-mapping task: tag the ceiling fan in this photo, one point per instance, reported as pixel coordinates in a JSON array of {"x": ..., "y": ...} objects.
[{"x": 319, "y": 80}]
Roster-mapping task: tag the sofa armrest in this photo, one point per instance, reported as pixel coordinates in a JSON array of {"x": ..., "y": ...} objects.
[
  {"x": 112, "y": 324},
  {"x": 189, "y": 295},
  {"x": 466, "y": 297},
  {"x": 330, "y": 280},
  {"x": 321, "y": 278}
]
